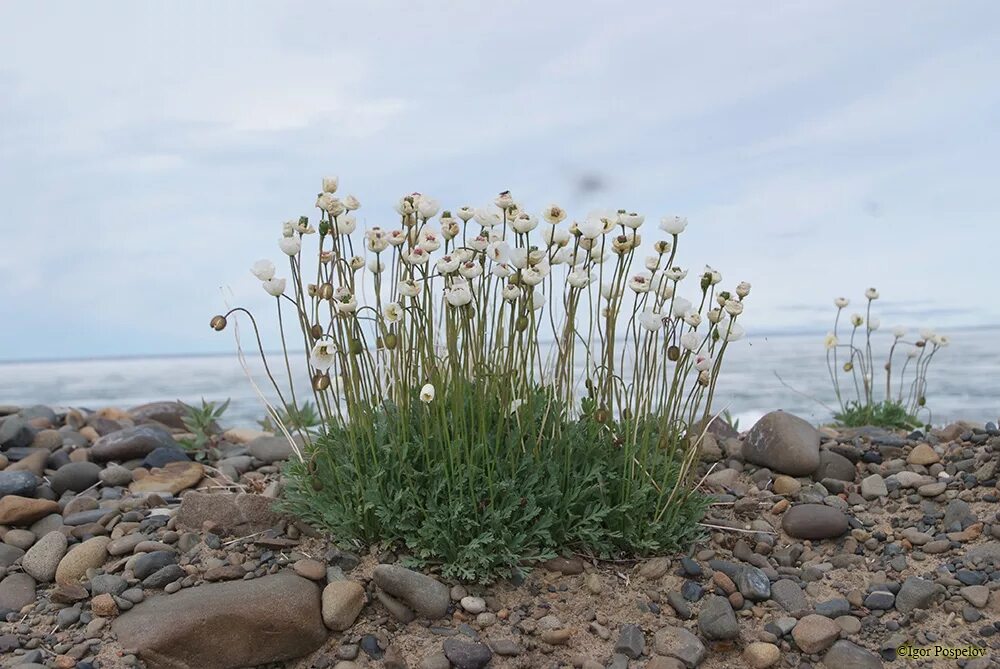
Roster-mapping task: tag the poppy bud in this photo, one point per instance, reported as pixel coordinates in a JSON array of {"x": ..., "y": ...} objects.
[
  {"x": 218, "y": 323},
  {"x": 325, "y": 291},
  {"x": 321, "y": 381},
  {"x": 316, "y": 331},
  {"x": 673, "y": 354}
]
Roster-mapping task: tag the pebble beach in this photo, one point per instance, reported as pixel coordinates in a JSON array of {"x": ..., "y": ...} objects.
[{"x": 823, "y": 548}]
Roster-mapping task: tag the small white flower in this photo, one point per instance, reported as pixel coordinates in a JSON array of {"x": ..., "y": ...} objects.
[
  {"x": 673, "y": 225},
  {"x": 899, "y": 332},
  {"x": 376, "y": 266},
  {"x": 430, "y": 240},
  {"x": 926, "y": 334},
  {"x": 691, "y": 341},
  {"x": 610, "y": 291},
  {"x": 446, "y": 264},
  {"x": 330, "y": 184},
  {"x": 532, "y": 276},
  {"x": 510, "y": 292},
  {"x": 857, "y": 320},
  {"x": 702, "y": 362},
  {"x": 841, "y": 302},
  {"x": 427, "y": 394},
  {"x": 579, "y": 278},
  {"x": 554, "y": 214},
  {"x": 592, "y": 228},
  {"x": 652, "y": 263},
  {"x": 479, "y": 243},
  {"x": 712, "y": 276},
  {"x": 873, "y": 324},
  {"x": 715, "y": 315},
  {"x": 466, "y": 213},
  {"x": 680, "y": 307},
  {"x": 562, "y": 256},
  {"x": 274, "y": 287},
  {"x": 498, "y": 252},
  {"x": 733, "y": 307},
  {"x": 407, "y": 205},
  {"x": 263, "y": 270},
  {"x": 408, "y": 288},
  {"x": 504, "y": 200},
  {"x": 675, "y": 273},
  {"x": 356, "y": 262},
  {"x": 290, "y": 245},
  {"x": 392, "y": 312},
  {"x": 743, "y": 289},
  {"x": 640, "y": 282},
  {"x": 942, "y": 340},
  {"x": 871, "y": 294},
  {"x": 732, "y": 331},
  {"x": 463, "y": 254},
  {"x": 352, "y": 203},
  {"x": 470, "y": 269},
  {"x": 330, "y": 204},
  {"x": 287, "y": 229},
  {"x": 692, "y": 318},
  {"x": 396, "y": 237},
  {"x": 488, "y": 218},
  {"x": 458, "y": 296},
  {"x": 345, "y": 225},
  {"x": 913, "y": 352},
  {"x": 302, "y": 226},
  {"x": 427, "y": 207},
  {"x": 536, "y": 300},
  {"x": 651, "y": 320},
  {"x": 417, "y": 256},
  {"x": 830, "y": 341},
  {"x": 376, "y": 240},
  {"x": 322, "y": 355},
  {"x": 501, "y": 270},
  {"x": 555, "y": 236},
  {"x": 631, "y": 220},
  {"x": 524, "y": 223}
]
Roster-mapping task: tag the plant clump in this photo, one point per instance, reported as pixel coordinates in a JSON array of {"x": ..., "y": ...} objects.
[{"x": 496, "y": 386}]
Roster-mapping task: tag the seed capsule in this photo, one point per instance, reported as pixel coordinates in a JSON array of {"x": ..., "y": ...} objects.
[
  {"x": 673, "y": 354},
  {"x": 325, "y": 291},
  {"x": 316, "y": 331},
  {"x": 521, "y": 324},
  {"x": 218, "y": 323},
  {"x": 848, "y": 366},
  {"x": 390, "y": 341},
  {"x": 321, "y": 381}
]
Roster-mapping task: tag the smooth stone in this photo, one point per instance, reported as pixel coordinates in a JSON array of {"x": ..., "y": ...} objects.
[
  {"x": 814, "y": 521},
  {"x": 115, "y": 476},
  {"x": 760, "y": 655},
  {"x": 9, "y": 554},
  {"x": 16, "y": 510},
  {"x": 270, "y": 449},
  {"x": 977, "y": 595},
  {"x": 314, "y": 570},
  {"x": 23, "y": 539},
  {"x": 467, "y": 654},
  {"x": 815, "y": 633},
  {"x": 108, "y": 584},
  {"x": 42, "y": 559},
  {"x": 425, "y": 595},
  {"x": 922, "y": 454},
  {"x": 716, "y": 620},
  {"x": 880, "y": 600},
  {"x": 846, "y": 655},
  {"x": 15, "y": 432},
  {"x": 917, "y": 593},
  {"x": 873, "y": 487},
  {"x": 834, "y": 466},
  {"x": 786, "y": 485},
  {"x": 131, "y": 443},
  {"x": 163, "y": 577},
  {"x": 342, "y": 602},
  {"x": 164, "y": 455},
  {"x": 227, "y": 625},
  {"x": 171, "y": 478},
  {"x": 171, "y": 414},
  {"x": 753, "y": 584},
  {"x": 788, "y": 595},
  {"x": 75, "y": 477},
  {"x": 783, "y": 443},
  {"x": 148, "y": 563},
  {"x": 679, "y": 643},
  {"x": 16, "y": 592},
  {"x": 238, "y": 514},
  {"x": 88, "y": 555},
  {"x": 631, "y": 641},
  {"x": 20, "y": 483}
]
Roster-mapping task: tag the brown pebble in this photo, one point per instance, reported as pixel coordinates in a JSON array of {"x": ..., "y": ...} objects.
[
  {"x": 314, "y": 570},
  {"x": 104, "y": 606},
  {"x": 723, "y": 582},
  {"x": 780, "y": 507}
]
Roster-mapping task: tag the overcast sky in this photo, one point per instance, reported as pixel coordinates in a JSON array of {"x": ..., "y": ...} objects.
[{"x": 149, "y": 152}]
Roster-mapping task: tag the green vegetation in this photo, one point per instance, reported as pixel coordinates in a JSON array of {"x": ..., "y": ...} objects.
[
  {"x": 202, "y": 423},
  {"x": 887, "y": 414}
]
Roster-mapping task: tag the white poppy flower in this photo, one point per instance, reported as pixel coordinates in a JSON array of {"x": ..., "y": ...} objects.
[
  {"x": 498, "y": 252},
  {"x": 458, "y": 296},
  {"x": 532, "y": 276},
  {"x": 396, "y": 237},
  {"x": 487, "y": 218},
  {"x": 610, "y": 291},
  {"x": 346, "y": 304},
  {"x": 345, "y": 225},
  {"x": 524, "y": 223},
  {"x": 563, "y": 256},
  {"x": 899, "y": 332},
  {"x": 579, "y": 278},
  {"x": 713, "y": 276},
  {"x": 743, "y": 289},
  {"x": 376, "y": 240},
  {"x": 466, "y": 213},
  {"x": 416, "y": 256},
  {"x": 408, "y": 288},
  {"x": 874, "y": 323},
  {"x": 392, "y": 312},
  {"x": 592, "y": 228},
  {"x": 631, "y": 220},
  {"x": 479, "y": 243},
  {"x": 356, "y": 262},
  {"x": 673, "y": 225},
  {"x": 651, "y": 320},
  {"x": 857, "y": 320},
  {"x": 449, "y": 229},
  {"x": 830, "y": 342},
  {"x": 430, "y": 240},
  {"x": 652, "y": 263},
  {"x": 274, "y": 287},
  {"x": 691, "y": 341},
  {"x": 927, "y": 334},
  {"x": 501, "y": 270},
  {"x": 675, "y": 273},
  {"x": 376, "y": 266},
  {"x": 640, "y": 282},
  {"x": 470, "y": 269},
  {"x": 554, "y": 214},
  {"x": 263, "y": 270},
  {"x": 942, "y": 340},
  {"x": 536, "y": 300},
  {"x": 680, "y": 307},
  {"x": 692, "y": 318},
  {"x": 702, "y": 362},
  {"x": 352, "y": 203},
  {"x": 463, "y": 254},
  {"x": 290, "y": 245},
  {"x": 715, "y": 315},
  {"x": 732, "y": 331},
  {"x": 330, "y": 184},
  {"x": 427, "y": 207},
  {"x": 733, "y": 307},
  {"x": 841, "y": 302},
  {"x": 555, "y": 236},
  {"x": 446, "y": 265},
  {"x": 323, "y": 354},
  {"x": 871, "y": 294},
  {"x": 427, "y": 394},
  {"x": 330, "y": 204},
  {"x": 287, "y": 229},
  {"x": 504, "y": 200},
  {"x": 510, "y": 293}
]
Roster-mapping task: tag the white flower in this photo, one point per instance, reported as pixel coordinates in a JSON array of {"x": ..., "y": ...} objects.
[
  {"x": 712, "y": 276},
  {"x": 416, "y": 256},
  {"x": 715, "y": 315},
  {"x": 610, "y": 291},
  {"x": 407, "y": 204},
  {"x": 873, "y": 323},
  {"x": 330, "y": 184},
  {"x": 290, "y": 245},
  {"x": 579, "y": 278},
  {"x": 652, "y": 263},
  {"x": 287, "y": 229},
  {"x": 504, "y": 200},
  {"x": 732, "y": 332},
  {"x": 302, "y": 226},
  {"x": 625, "y": 242},
  {"x": 345, "y": 225},
  {"x": 510, "y": 292},
  {"x": 427, "y": 393},
  {"x": 841, "y": 302},
  {"x": 487, "y": 218},
  {"x": 555, "y": 236},
  {"x": 692, "y": 318},
  {"x": 274, "y": 286},
  {"x": 830, "y": 341},
  {"x": 592, "y": 228},
  {"x": 463, "y": 254},
  {"x": 352, "y": 203},
  {"x": 871, "y": 294},
  {"x": 396, "y": 237},
  {"x": 562, "y": 256},
  {"x": 675, "y": 273},
  {"x": 899, "y": 332},
  {"x": 498, "y": 251},
  {"x": 536, "y": 300},
  {"x": 927, "y": 334},
  {"x": 322, "y": 355},
  {"x": 691, "y": 341},
  {"x": 743, "y": 289},
  {"x": 913, "y": 352},
  {"x": 459, "y": 295},
  {"x": 446, "y": 265},
  {"x": 470, "y": 269},
  {"x": 673, "y": 225},
  {"x": 942, "y": 340},
  {"x": 857, "y": 320},
  {"x": 376, "y": 266},
  {"x": 533, "y": 276},
  {"x": 427, "y": 206},
  {"x": 392, "y": 312},
  {"x": 733, "y": 307},
  {"x": 680, "y": 307},
  {"x": 519, "y": 258},
  {"x": 651, "y": 320},
  {"x": 430, "y": 240},
  {"x": 501, "y": 270},
  {"x": 524, "y": 223},
  {"x": 631, "y": 220},
  {"x": 664, "y": 286},
  {"x": 376, "y": 240},
  {"x": 465, "y": 213},
  {"x": 553, "y": 214},
  {"x": 408, "y": 288},
  {"x": 263, "y": 270},
  {"x": 640, "y": 282},
  {"x": 702, "y": 362},
  {"x": 330, "y": 204}
]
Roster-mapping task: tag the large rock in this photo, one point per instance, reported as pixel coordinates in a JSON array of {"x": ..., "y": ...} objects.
[
  {"x": 88, "y": 555},
  {"x": 918, "y": 593},
  {"x": 17, "y": 483},
  {"x": 681, "y": 644},
  {"x": 16, "y": 592},
  {"x": 815, "y": 633},
  {"x": 271, "y": 449},
  {"x": 131, "y": 443},
  {"x": 425, "y": 595},
  {"x": 226, "y": 625},
  {"x": 467, "y": 654},
  {"x": 342, "y": 602},
  {"x": 15, "y": 432},
  {"x": 783, "y": 443},
  {"x": 834, "y": 466},
  {"x": 171, "y": 414},
  {"x": 75, "y": 477},
  {"x": 717, "y": 621},
  {"x": 814, "y": 521},
  {"x": 172, "y": 478},
  {"x": 238, "y": 514},
  {"x": 19, "y": 511},
  {"x": 846, "y": 655},
  {"x": 42, "y": 559}
]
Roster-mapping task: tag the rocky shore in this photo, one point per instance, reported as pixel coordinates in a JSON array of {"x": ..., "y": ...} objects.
[{"x": 823, "y": 548}]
